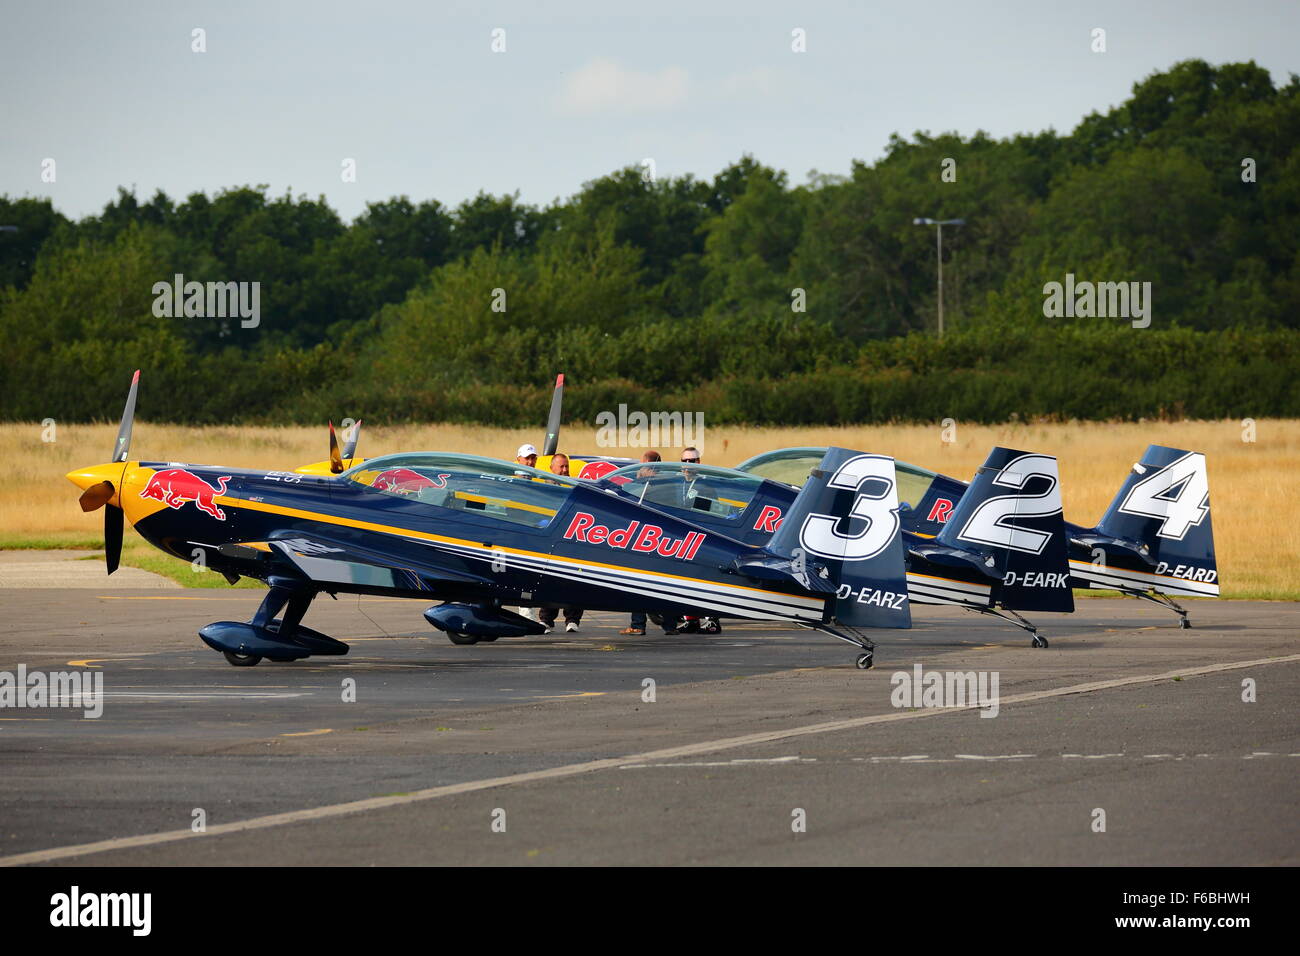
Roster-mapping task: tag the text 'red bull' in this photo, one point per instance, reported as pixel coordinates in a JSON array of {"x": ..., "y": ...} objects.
[{"x": 645, "y": 538}]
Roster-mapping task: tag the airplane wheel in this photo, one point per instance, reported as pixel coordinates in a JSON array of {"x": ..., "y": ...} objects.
[
  {"x": 864, "y": 662},
  {"x": 1040, "y": 641},
  {"x": 240, "y": 660},
  {"x": 457, "y": 638}
]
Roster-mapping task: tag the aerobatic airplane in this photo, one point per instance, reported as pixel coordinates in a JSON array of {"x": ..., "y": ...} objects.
[{"x": 474, "y": 534}]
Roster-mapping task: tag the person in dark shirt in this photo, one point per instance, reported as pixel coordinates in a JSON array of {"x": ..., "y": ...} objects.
[{"x": 572, "y": 615}]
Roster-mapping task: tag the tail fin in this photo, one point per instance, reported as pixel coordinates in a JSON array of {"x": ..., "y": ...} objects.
[
  {"x": 846, "y": 519},
  {"x": 1010, "y": 522},
  {"x": 1157, "y": 533}
]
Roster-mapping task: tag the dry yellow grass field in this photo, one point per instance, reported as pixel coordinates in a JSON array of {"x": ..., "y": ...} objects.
[{"x": 1255, "y": 487}]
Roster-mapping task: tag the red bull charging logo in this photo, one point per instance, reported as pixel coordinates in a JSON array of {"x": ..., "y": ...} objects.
[{"x": 175, "y": 486}]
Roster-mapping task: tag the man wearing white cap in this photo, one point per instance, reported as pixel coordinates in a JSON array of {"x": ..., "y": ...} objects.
[{"x": 527, "y": 455}]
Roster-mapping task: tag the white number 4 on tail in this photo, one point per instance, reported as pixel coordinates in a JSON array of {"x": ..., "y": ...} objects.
[{"x": 1178, "y": 494}]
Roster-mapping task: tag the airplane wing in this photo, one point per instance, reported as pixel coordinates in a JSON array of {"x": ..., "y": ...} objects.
[{"x": 325, "y": 560}]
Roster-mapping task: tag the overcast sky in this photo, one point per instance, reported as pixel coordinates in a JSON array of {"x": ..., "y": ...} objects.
[{"x": 413, "y": 92}]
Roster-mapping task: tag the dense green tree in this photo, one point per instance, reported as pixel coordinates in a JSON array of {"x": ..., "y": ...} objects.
[{"x": 34, "y": 220}]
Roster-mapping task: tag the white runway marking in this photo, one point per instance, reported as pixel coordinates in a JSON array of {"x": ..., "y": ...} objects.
[
  {"x": 180, "y": 695},
  {"x": 995, "y": 756},
  {"x": 739, "y": 761},
  {"x": 608, "y": 763}
]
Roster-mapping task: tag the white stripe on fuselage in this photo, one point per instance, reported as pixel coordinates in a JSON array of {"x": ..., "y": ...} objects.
[{"x": 737, "y": 600}]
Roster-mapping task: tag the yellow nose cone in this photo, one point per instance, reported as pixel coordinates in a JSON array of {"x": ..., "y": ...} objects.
[{"x": 85, "y": 478}]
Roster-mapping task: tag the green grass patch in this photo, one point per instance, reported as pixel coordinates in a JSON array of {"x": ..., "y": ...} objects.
[{"x": 57, "y": 541}]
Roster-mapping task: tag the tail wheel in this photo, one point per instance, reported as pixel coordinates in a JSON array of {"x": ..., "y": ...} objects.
[
  {"x": 457, "y": 638},
  {"x": 240, "y": 660},
  {"x": 864, "y": 662}
]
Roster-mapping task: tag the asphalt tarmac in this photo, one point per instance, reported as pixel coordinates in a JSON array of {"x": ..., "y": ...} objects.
[{"x": 1128, "y": 741}]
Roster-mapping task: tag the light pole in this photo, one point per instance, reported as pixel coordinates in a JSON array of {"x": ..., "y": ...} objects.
[{"x": 939, "y": 237}]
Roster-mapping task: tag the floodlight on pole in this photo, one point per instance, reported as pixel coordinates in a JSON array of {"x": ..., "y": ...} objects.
[{"x": 939, "y": 245}]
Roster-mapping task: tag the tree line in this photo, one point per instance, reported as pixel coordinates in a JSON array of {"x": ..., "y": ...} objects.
[{"x": 744, "y": 296}]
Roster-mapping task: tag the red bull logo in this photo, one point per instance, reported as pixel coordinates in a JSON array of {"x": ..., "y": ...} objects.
[
  {"x": 404, "y": 481},
  {"x": 597, "y": 469},
  {"x": 175, "y": 486}
]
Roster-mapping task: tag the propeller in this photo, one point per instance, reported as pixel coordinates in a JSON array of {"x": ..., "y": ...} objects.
[
  {"x": 350, "y": 446},
  {"x": 113, "y": 519},
  {"x": 96, "y": 496},
  {"x": 552, "y": 442},
  {"x": 99, "y": 495},
  {"x": 336, "y": 457}
]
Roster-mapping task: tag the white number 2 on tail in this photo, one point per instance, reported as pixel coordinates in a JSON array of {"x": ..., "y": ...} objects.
[
  {"x": 1187, "y": 479},
  {"x": 988, "y": 524},
  {"x": 877, "y": 508}
]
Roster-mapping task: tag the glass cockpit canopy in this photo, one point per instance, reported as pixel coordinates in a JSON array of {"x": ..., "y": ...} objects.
[
  {"x": 793, "y": 465},
  {"x": 487, "y": 486},
  {"x": 724, "y": 492}
]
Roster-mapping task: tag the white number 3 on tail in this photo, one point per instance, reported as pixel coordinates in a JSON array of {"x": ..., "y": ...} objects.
[{"x": 877, "y": 507}]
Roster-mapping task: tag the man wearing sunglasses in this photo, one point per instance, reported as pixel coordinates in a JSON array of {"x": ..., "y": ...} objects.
[{"x": 689, "y": 623}]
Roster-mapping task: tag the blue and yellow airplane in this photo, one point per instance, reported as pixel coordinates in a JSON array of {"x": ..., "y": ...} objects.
[{"x": 475, "y": 535}]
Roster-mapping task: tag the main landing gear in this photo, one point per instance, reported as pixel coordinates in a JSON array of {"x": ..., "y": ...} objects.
[
  {"x": 1011, "y": 617},
  {"x": 1163, "y": 600},
  {"x": 266, "y": 636},
  {"x": 465, "y": 639},
  {"x": 849, "y": 635}
]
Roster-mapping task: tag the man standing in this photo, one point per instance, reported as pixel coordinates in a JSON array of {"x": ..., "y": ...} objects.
[
  {"x": 527, "y": 455},
  {"x": 704, "y": 624},
  {"x": 547, "y": 615},
  {"x": 636, "y": 626}
]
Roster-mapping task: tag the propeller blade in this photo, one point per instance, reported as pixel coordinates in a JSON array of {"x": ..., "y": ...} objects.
[
  {"x": 123, "y": 444},
  {"x": 350, "y": 446},
  {"x": 112, "y": 537},
  {"x": 336, "y": 457},
  {"x": 96, "y": 496},
  {"x": 552, "y": 442}
]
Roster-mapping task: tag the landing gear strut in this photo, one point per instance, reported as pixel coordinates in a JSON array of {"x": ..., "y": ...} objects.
[
  {"x": 1155, "y": 597},
  {"x": 849, "y": 635},
  {"x": 1011, "y": 617}
]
